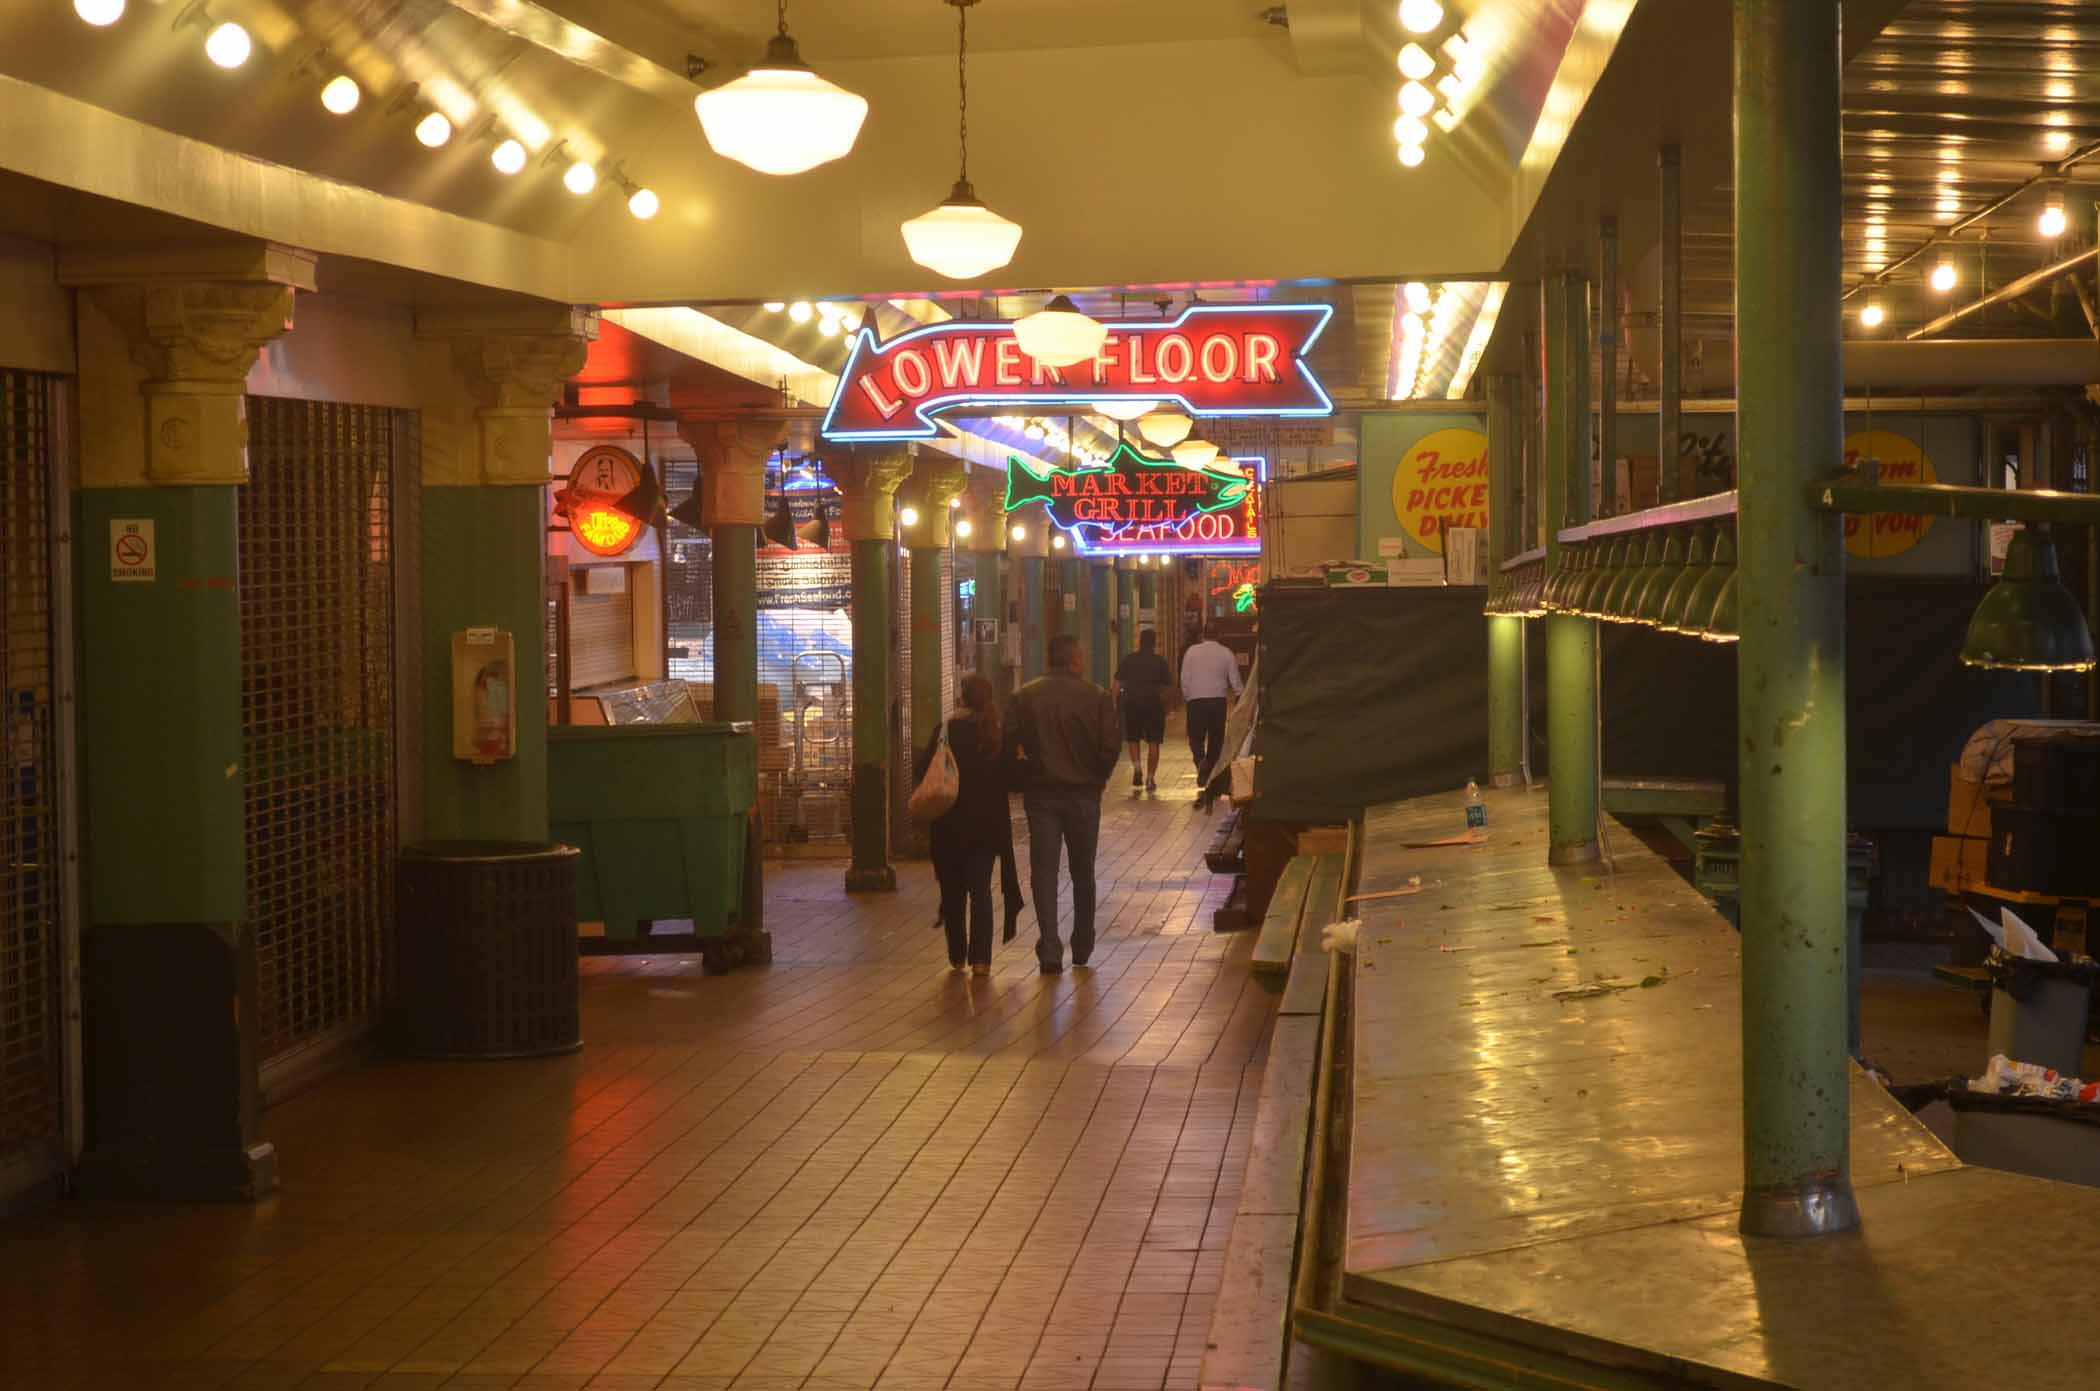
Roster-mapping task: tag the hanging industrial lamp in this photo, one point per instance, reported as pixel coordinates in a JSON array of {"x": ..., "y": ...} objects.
[
  {"x": 1165, "y": 428},
  {"x": 1059, "y": 334},
  {"x": 1699, "y": 557},
  {"x": 1640, "y": 555},
  {"x": 962, "y": 238},
  {"x": 780, "y": 117},
  {"x": 2028, "y": 621},
  {"x": 1596, "y": 577},
  {"x": 1723, "y": 627},
  {"x": 1699, "y": 605},
  {"x": 1648, "y": 610}
]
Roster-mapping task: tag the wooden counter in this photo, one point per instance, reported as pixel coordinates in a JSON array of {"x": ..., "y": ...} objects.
[{"x": 1542, "y": 1183}]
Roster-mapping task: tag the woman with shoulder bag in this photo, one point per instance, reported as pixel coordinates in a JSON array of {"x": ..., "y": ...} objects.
[{"x": 968, "y": 837}]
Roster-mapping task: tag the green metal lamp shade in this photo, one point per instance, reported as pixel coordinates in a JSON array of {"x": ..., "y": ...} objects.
[
  {"x": 1615, "y": 560},
  {"x": 1722, "y": 627},
  {"x": 1699, "y": 558},
  {"x": 1595, "y": 564},
  {"x": 2028, "y": 621},
  {"x": 1657, "y": 592},
  {"x": 1699, "y": 604},
  {"x": 1640, "y": 558},
  {"x": 1571, "y": 560}
]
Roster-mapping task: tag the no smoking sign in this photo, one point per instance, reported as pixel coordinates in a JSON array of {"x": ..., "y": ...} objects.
[{"x": 131, "y": 550}]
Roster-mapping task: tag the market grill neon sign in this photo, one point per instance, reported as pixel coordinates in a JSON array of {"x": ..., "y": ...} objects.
[
  {"x": 1143, "y": 506},
  {"x": 1215, "y": 360}
]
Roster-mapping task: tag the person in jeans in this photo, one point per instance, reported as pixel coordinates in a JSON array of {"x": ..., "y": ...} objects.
[
  {"x": 1141, "y": 686},
  {"x": 1210, "y": 677},
  {"x": 967, "y": 839},
  {"x": 1069, "y": 741}
]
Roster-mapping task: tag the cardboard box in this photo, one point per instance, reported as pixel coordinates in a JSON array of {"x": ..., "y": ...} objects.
[
  {"x": 1419, "y": 570},
  {"x": 1958, "y": 862},
  {"x": 1968, "y": 805}
]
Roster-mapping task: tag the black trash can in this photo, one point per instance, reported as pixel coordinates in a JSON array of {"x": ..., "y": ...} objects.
[{"x": 487, "y": 950}]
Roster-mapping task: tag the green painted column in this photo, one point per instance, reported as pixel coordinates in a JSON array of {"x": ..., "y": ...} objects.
[
  {"x": 1571, "y": 642},
  {"x": 1797, "y": 1176},
  {"x": 732, "y": 457},
  {"x": 868, "y": 485},
  {"x": 1505, "y": 632},
  {"x": 982, "y": 526},
  {"x": 1035, "y": 635},
  {"x": 1072, "y": 596},
  {"x": 166, "y": 959},
  {"x": 1126, "y": 610},
  {"x": 1101, "y": 594},
  {"x": 927, "y": 525},
  {"x": 483, "y": 549}
]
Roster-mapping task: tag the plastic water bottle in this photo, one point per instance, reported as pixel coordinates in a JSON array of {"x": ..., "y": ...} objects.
[{"x": 1476, "y": 810}]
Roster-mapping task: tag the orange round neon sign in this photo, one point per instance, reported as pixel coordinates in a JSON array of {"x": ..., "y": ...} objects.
[
  {"x": 603, "y": 529},
  {"x": 601, "y": 478}
]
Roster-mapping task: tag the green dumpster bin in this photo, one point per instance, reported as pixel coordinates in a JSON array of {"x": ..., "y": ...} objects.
[{"x": 661, "y": 813}]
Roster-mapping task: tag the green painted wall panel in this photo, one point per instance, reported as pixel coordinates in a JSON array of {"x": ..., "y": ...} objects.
[
  {"x": 483, "y": 552},
  {"x": 160, "y": 712}
]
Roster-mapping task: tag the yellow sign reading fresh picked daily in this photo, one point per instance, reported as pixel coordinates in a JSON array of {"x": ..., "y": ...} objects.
[
  {"x": 1442, "y": 482},
  {"x": 1900, "y": 461}
]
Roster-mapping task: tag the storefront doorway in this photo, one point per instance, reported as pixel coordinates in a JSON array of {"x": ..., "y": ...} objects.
[
  {"x": 33, "y": 888},
  {"x": 317, "y": 594}
]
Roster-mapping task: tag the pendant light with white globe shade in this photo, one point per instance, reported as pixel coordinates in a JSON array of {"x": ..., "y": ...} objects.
[
  {"x": 1059, "y": 334},
  {"x": 1125, "y": 410},
  {"x": 100, "y": 13},
  {"x": 1165, "y": 428},
  {"x": 780, "y": 117},
  {"x": 962, "y": 238},
  {"x": 1195, "y": 454},
  {"x": 340, "y": 95}
]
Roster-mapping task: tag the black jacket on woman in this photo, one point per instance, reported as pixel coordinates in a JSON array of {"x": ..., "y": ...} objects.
[{"x": 981, "y": 819}]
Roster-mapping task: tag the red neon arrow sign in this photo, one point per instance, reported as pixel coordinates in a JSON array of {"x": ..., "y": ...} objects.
[{"x": 1216, "y": 359}]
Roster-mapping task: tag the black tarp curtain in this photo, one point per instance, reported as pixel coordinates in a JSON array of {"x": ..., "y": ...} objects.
[{"x": 1370, "y": 695}]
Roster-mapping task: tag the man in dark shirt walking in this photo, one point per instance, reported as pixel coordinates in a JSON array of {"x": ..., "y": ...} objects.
[
  {"x": 1141, "y": 687},
  {"x": 1070, "y": 740}
]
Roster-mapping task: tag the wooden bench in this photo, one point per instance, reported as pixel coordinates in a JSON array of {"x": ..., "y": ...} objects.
[
  {"x": 1227, "y": 848},
  {"x": 1307, "y": 898},
  {"x": 1250, "y": 1347}
]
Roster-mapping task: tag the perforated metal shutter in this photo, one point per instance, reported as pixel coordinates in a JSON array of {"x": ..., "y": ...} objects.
[
  {"x": 317, "y": 673},
  {"x": 32, "y": 1120},
  {"x": 601, "y": 638}
]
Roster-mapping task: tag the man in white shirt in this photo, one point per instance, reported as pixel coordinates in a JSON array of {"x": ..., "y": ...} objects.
[{"x": 1210, "y": 677}]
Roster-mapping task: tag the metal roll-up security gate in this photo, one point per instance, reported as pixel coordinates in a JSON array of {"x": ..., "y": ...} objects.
[
  {"x": 33, "y": 1035},
  {"x": 317, "y": 587}
]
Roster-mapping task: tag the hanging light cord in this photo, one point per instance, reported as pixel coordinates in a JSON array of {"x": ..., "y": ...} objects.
[
  {"x": 962, "y": 84},
  {"x": 783, "y": 17}
]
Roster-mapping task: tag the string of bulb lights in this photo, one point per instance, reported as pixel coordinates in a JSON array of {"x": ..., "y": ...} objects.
[
  {"x": 1433, "y": 82},
  {"x": 229, "y": 45},
  {"x": 2050, "y": 224}
]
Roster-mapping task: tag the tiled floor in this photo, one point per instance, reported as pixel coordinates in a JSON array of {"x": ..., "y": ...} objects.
[{"x": 852, "y": 1169}]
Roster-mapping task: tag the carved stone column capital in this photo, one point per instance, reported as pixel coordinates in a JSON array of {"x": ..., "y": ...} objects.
[
  {"x": 984, "y": 507},
  {"x": 868, "y": 480},
  {"x": 195, "y": 342},
  {"x": 732, "y": 456},
  {"x": 513, "y": 363},
  {"x": 934, "y": 485}
]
